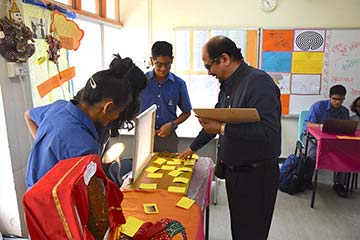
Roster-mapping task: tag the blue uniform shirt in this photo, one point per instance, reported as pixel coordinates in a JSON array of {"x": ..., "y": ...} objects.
[
  {"x": 172, "y": 92},
  {"x": 64, "y": 132},
  {"x": 321, "y": 110}
]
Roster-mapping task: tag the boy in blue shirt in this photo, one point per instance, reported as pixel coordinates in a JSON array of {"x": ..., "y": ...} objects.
[
  {"x": 318, "y": 113},
  {"x": 167, "y": 91}
]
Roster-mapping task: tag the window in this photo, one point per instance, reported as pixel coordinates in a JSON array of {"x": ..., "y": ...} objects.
[
  {"x": 88, "y": 58},
  {"x": 94, "y": 54},
  {"x": 90, "y": 6},
  {"x": 106, "y": 10},
  {"x": 66, "y": 2}
]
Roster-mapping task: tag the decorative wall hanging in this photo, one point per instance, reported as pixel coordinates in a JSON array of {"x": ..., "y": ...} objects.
[
  {"x": 68, "y": 31},
  {"x": 15, "y": 37}
]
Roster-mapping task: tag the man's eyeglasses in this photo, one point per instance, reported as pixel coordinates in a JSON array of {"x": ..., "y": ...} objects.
[
  {"x": 208, "y": 66},
  {"x": 159, "y": 64},
  {"x": 337, "y": 99}
]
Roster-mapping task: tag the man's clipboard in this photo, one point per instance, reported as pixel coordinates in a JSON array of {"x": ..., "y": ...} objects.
[{"x": 229, "y": 115}]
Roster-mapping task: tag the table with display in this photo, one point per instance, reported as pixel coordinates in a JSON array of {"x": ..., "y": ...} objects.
[
  {"x": 198, "y": 189},
  {"x": 335, "y": 152}
]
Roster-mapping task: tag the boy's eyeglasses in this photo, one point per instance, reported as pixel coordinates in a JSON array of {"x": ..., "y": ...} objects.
[
  {"x": 208, "y": 66},
  {"x": 337, "y": 99},
  {"x": 159, "y": 64}
]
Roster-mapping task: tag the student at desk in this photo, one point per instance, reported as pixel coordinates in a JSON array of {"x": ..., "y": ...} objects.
[
  {"x": 167, "y": 91},
  {"x": 67, "y": 129},
  {"x": 318, "y": 113},
  {"x": 355, "y": 108}
]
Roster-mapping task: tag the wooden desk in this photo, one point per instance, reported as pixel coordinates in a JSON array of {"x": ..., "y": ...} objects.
[
  {"x": 192, "y": 219},
  {"x": 339, "y": 155}
]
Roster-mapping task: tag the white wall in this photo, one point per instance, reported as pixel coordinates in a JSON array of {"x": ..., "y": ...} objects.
[
  {"x": 15, "y": 143},
  {"x": 158, "y": 18},
  {"x": 10, "y": 221}
]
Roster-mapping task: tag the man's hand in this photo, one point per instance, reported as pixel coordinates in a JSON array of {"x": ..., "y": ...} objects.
[
  {"x": 165, "y": 130},
  {"x": 187, "y": 152},
  {"x": 210, "y": 126}
]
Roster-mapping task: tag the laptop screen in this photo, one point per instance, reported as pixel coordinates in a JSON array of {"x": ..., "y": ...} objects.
[{"x": 339, "y": 126}]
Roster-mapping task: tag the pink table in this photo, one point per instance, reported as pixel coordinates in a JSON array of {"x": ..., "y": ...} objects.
[{"x": 339, "y": 155}]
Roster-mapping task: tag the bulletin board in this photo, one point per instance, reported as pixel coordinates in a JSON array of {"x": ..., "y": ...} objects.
[
  {"x": 305, "y": 63},
  {"x": 203, "y": 89}
]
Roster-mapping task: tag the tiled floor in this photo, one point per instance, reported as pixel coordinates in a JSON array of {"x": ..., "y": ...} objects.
[{"x": 333, "y": 218}]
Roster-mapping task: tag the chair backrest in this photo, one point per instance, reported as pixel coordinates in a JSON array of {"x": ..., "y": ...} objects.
[{"x": 301, "y": 122}]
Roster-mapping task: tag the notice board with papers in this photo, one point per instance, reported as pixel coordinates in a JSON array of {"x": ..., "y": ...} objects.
[{"x": 305, "y": 63}]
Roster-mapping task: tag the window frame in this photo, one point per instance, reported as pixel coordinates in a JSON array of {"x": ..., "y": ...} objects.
[{"x": 75, "y": 5}]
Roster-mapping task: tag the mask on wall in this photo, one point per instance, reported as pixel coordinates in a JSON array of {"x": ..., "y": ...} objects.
[{"x": 15, "y": 37}]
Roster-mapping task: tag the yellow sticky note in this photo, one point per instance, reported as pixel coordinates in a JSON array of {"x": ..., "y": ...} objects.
[
  {"x": 175, "y": 173},
  {"x": 150, "y": 208},
  {"x": 155, "y": 175},
  {"x": 160, "y": 161},
  {"x": 189, "y": 163},
  {"x": 181, "y": 180},
  {"x": 167, "y": 167},
  {"x": 152, "y": 169},
  {"x": 176, "y": 189},
  {"x": 131, "y": 226},
  {"x": 195, "y": 156},
  {"x": 149, "y": 186},
  {"x": 173, "y": 163},
  {"x": 177, "y": 160},
  {"x": 185, "y": 169},
  {"x": 185, "y": 202}
]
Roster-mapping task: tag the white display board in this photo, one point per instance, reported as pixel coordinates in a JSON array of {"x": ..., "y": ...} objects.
[{"x": 143, "y": 141}]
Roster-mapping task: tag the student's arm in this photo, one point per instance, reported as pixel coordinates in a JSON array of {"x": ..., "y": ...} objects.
[
  {"x": 30, "y": 124},
  {"x": 181, "y": 118}
]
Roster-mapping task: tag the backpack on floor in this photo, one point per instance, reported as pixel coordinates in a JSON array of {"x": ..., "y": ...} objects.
[{"x": 292, "y": 174}]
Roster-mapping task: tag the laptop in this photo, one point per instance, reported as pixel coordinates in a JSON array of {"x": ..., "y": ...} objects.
[{"x": 339, "y": 126}]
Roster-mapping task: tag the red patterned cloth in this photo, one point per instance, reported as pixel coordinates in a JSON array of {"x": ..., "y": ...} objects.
[{"x": 57, "y": 207}]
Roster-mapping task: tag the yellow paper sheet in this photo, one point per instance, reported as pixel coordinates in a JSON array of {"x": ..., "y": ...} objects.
[
  {"x": 148, "y": 186},
  {"x": 175, "y": 173},
  {"x": 176, "y": 189},
  {"x": 160, "y": 161},
  {"x": 189, "y": 163},
  {"x": 167, "y": 167},
  {"x": 172, "y": 163},
  {"x": 131, "y": 226},
  {"x": 348, "y": 137},
  {"x": 177, "y": 160},
  {"x": 155, "y": 175},
  {"x": 185, "y": 169},
  {"x": 307, "y": 62},
  {"x": 195, "y": 156},
  {"x": 152, "y": 169},
  {"x": 181, "y": 180},
  {"x": 185, "y": 202}
]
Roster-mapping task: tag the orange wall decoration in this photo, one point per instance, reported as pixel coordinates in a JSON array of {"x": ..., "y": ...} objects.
[
  {"x": 56, "y": 81},
  {"x": 67, "y": 30}
]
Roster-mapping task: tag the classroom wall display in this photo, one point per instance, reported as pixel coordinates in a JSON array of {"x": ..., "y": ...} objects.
[
  {"x": 305, "y": 63},
  {"x": 203, "y": 89},
  {"x": 40, "y": 69}
]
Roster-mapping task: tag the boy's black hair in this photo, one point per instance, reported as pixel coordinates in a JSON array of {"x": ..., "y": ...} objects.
[
  {"x": 338, "y": 89},
  {"x": 161, "y": 48}
]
